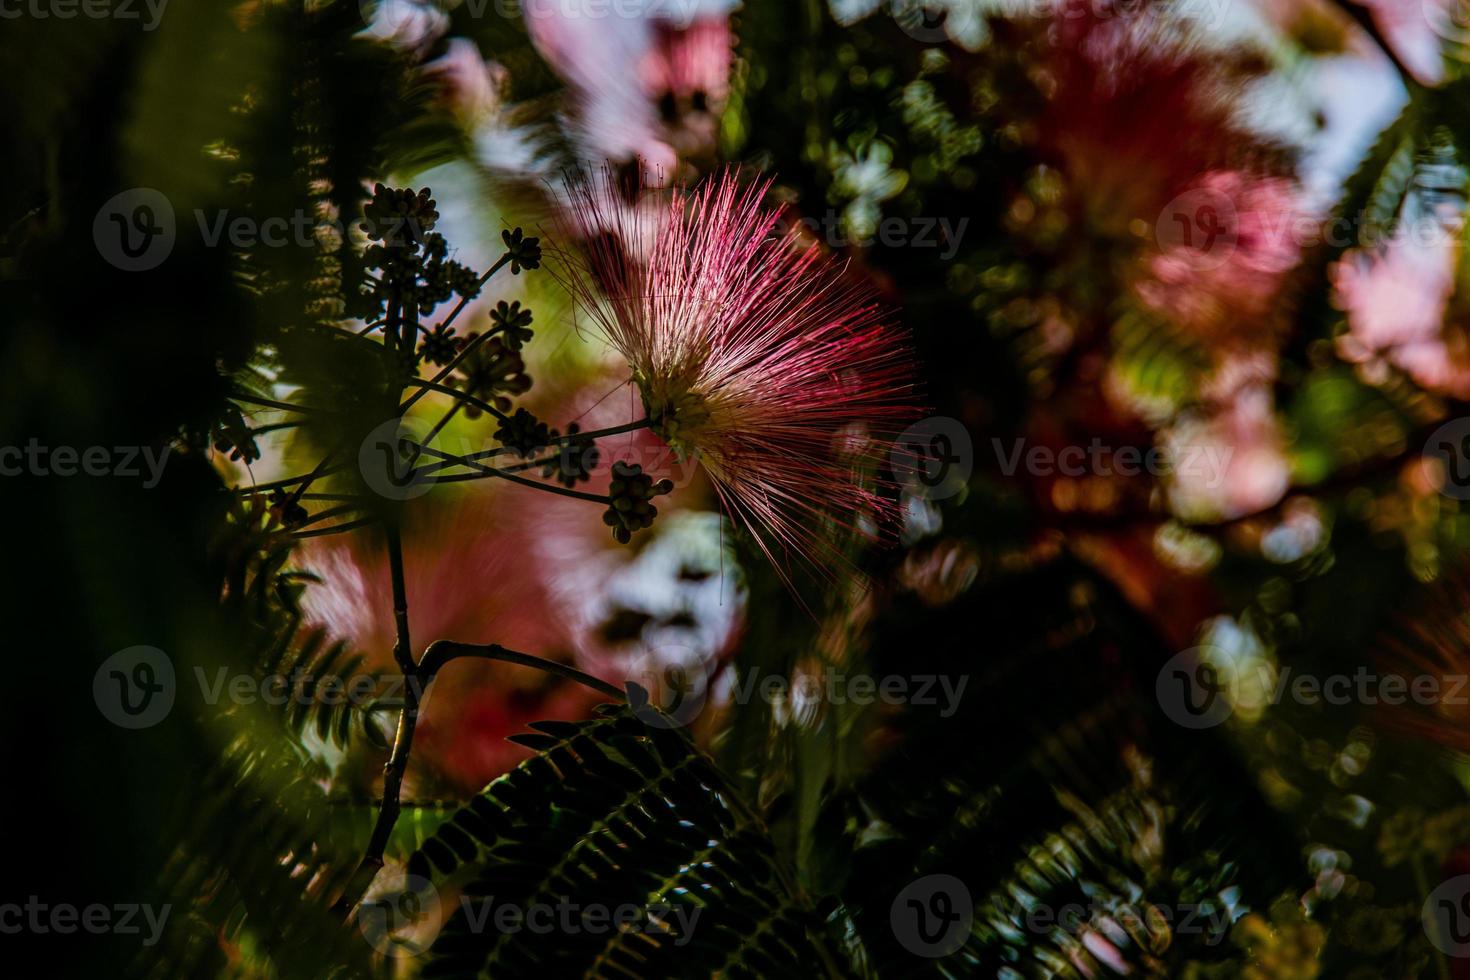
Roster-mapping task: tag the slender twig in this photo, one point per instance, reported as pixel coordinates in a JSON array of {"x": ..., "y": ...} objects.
[
  {"x": 349, "y": 334},
  {"x": 402, "y": 649},
  {"x": 243, "y": 396},
  {"x": 442, "y": 652},
  {"x": 445, "y": 323},
  {"x": 465, "y": 300},
  {"x": 443, "y": 421},
  {"x": 506, "y": 475},
  {"x": 443, "y": 465},
  {"x": 463, "y": 396},
  {"x": 330, "y": 512},
  {"x": 397, "y": 765},
  {"x": 336, "y": 528},
  {"x": 275, "y": 426},
  {"x": 315, "y": 474},
  {"x": 289, "y": 481},
  {"x": 615, "y": 430},
  {"x": 499, "y": 470},
  {"x": 505, "y": 450}
]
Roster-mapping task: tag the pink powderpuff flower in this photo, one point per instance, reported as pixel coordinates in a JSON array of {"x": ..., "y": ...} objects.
[
  {"x": 756, "y": 356},
  {"x": 610, "y": 115},
  {"x": 1226, "y": 247},
  {"x": 1400, "y": 315},
  {"x": 1136, "y": 110},
  {"x": 463, "y": 561}
]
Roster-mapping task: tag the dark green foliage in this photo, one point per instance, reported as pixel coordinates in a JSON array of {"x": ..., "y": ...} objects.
[{"x": 613, "y": 812}]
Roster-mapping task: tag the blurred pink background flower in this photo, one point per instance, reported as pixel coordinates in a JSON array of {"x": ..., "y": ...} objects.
[
  {"x": 1228, "y": 243},
  {"x": 1396, "y": 300}
]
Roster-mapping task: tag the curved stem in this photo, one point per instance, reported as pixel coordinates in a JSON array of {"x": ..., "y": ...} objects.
[
  {"x": 460, "y": 477},
  {"x": 441, "y": 652},
  {"x": 329, "y": 513},
  {"x": 615, "y": 430},
  {"x": 289, "y": 481},
  {"x": 463, "y": 396},
  {"x": 335, "y": 528},
  {"x": 276, "y": 426},
  {"x": 242, "y": 396},
  {"x": 463, "y": 302},
  {"x": 506, "y": 475},
  {"x": 466, "y": 459}
]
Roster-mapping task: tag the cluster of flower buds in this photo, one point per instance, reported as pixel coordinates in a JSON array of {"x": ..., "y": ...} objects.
[
  {"x": 524, "y": 433},
  {"x": 399, "y": 217},
  {"x": 576, "y": 457},
  {"x": 511, "y": 321},
  {"x": 631, "y": 509},
  {"x": 525, "y": 253},
  {"x": 412, "y": 261},
  {"x": 440, "y": 345},
  {"x": 286, "y": 510},
  {"x": 233, "y": 436},
  {"x": 492, "y": 372}
]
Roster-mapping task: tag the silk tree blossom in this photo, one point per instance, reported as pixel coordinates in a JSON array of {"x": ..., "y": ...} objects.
[
  {"x": 756, "y": 356},
  {"x": 1396, "y": 302},
  {"x": 1250, "y": 470},
  {"x": 1227, "y": 247}
]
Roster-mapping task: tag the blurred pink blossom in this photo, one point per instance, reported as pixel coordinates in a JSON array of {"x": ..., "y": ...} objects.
[
  {"x": 1136, "y": 112},
  {"x": 1415, "y": 29},
  {"x": 1231, "y": 460},
  {"x": 674, "y": 599},
  {"x": 610, "y": 114},
  {"x": 1226, "y": 245},
  {"x": 634, "y": 80},
  {"x": 1396, "y": 301}
]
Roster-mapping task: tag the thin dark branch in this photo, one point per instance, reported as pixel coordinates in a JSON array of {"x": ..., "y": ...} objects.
[
  {"x": 243, "y": 396},
  {"x": 336, "y": 528},
  {"x": 506, "y": 475},
  {"x": 463, "y": 396},
  {"x": 442, "y": 652},
  {"x": 289, "y": 481},
  {"x": 329, "y": 513}
]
